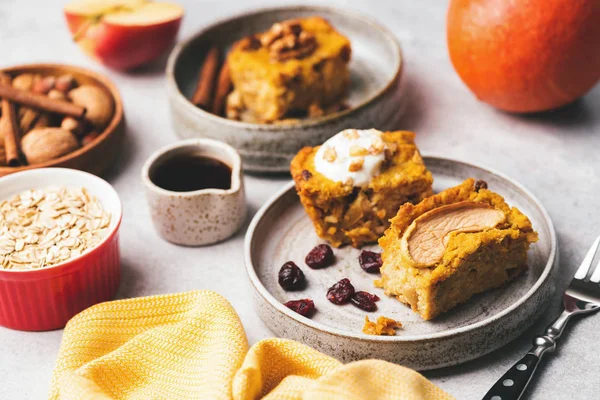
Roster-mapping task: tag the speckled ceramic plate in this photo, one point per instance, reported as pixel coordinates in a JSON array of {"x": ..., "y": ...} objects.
[
  {"x": 376, "y": 95},
  {"x": 281, "y": 231}
]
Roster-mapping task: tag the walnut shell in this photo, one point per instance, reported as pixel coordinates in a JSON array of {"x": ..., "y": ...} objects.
[
  {"x": 98, "y": 103},
  {"x": 45, "y": 144}
]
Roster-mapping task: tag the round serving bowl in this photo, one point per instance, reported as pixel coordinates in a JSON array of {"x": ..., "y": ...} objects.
[
  {"x": 375, "y": 95},
  {"x": 46, "y": 298},
  {"x": 97, "y": 156}
]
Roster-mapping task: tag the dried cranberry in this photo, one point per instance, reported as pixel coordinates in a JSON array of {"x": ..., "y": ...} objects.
[
  {"x": 365, "y": 301},
  {"x": 320, "y": 257},
  {"x": 370, "y": 261},
  {"x": 291, "y": 277},
  {"x": 480, "y": 184},
  {"x": 341, "y": 292},
  {"x": 306, "y": 174},
  {"x": 304, "y": 307}
]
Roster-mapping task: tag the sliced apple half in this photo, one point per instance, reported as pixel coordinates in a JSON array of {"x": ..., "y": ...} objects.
[{"x": 123, "y": 34}]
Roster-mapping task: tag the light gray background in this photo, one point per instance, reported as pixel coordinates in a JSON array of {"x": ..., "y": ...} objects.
[{"x": 554, "y": 155}]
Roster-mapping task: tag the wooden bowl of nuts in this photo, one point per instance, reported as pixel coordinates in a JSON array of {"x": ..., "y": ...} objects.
[{"x": 55, "y": 115}]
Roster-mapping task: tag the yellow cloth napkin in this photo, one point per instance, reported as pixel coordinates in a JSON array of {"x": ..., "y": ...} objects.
[{"x": 193, "y": 346}]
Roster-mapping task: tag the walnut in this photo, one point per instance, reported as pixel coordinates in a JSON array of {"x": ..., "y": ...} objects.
[
  {"x": 350, "y": 134},
  {"x": 425, "y": 240},
  {"x": 44, "y": 144},
  {"x": 377, "y": 147},
  {"x": 356, "y": 165},
  {"x": 249, "y": 43},
  {"x": 356, "y": 150},
  {"x": 329, "y": 154},
  {"x": 286, "y": 40},
  {"x": 280, "y": 30}
]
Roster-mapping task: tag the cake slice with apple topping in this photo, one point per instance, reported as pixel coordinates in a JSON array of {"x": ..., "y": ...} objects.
[{"x": 452, "y": 245}]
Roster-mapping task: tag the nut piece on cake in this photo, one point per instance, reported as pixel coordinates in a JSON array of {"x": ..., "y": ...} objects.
[
  {"x": 356, "y": 181},
  {"x": 462, "y": 241},
  {"x": 298, "y": 67}
]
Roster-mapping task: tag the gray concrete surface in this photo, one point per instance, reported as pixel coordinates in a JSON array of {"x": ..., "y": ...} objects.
[{"x": 555, "y": 155}]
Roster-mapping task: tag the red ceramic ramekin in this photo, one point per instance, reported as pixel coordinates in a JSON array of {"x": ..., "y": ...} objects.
[{"x": 46, "y": 298}]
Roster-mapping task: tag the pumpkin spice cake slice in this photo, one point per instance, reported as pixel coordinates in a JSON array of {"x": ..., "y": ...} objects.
[
  {"x": 459, "y": 242},
  {"x": 355, "y": 182},
  {"x": 297, "y": 67}
]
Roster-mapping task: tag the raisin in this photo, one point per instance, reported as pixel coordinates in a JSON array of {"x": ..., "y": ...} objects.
[
  {"x": 370, "y": 261},
  {"x": 480, "y": 184},
  {"x": 306, "y": 174},
  {"x": 365, "y": 301},
  {"x": 341, "y": 292},
  {"x": 304, "y": 307},
  {"x": 320, "y": 257},
  {"x": 291, "y": 277}
]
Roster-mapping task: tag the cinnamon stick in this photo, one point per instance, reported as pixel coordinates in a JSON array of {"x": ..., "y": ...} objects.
[
  {"x": 10, "y": 127},
  {"x": 41, "y": 102},
  {"x": 206, "y": 79},
  {"x": 222, "y": 90}
]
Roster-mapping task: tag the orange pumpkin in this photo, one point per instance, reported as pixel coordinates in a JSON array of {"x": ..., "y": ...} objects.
[{"x": 525, "y": 55}]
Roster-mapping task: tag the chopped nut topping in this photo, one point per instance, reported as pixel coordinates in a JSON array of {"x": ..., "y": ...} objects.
[
  {"x": 377, "y": 147},
  {"x": 349, "y": 182},
  {"x": 351, "y": 134},
  {"x": 356, "y": 151},
  {"x": 286, "y": 40},
  {"x": 279, "y": 30},
  {"x": 329, "y": 154},
  {"x": 356, "y": 165},
  {"x": 249, "y": 43}
]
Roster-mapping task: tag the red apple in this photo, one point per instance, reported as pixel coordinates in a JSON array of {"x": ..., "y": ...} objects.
[{"x": 123, "y": 34}]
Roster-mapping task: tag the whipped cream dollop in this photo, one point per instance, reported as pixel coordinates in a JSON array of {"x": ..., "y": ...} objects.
[{"x": 352, "y": 156}]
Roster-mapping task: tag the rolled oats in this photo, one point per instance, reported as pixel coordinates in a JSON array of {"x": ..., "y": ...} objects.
[{"x": 44, "y": 227}]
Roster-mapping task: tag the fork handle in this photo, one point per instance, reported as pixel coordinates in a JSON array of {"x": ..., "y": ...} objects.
[{"x": 513, "y": 383}]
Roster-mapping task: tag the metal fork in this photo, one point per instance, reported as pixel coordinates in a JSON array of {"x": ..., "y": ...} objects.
[{"x": 581, "y": 297}]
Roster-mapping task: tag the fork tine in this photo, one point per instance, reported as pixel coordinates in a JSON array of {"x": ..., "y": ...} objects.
[
  {"x": 596, "y": 275},
  {"x": 587, "y": 261}
]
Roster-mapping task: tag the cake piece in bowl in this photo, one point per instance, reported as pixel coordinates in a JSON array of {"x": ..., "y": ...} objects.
[
  {"x": 356, "y": 181},
  {"x": 297, "y": 68},
  {"x": 452, "y": 245}
]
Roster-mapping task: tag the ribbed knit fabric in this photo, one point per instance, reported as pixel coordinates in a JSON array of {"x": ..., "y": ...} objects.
[{"x": 193, "y": 346}]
